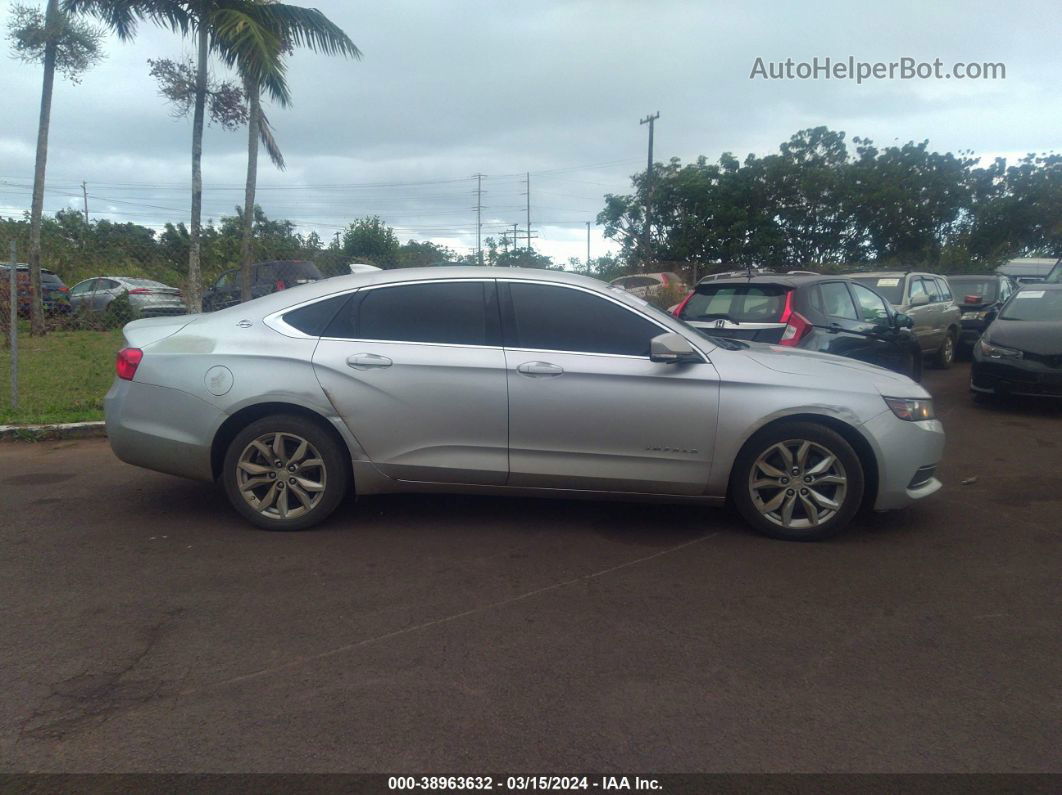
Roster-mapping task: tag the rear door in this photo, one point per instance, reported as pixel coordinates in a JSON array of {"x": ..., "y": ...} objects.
[
  {"x": 743, "y": 310},
  {"x": 588, "y": 410},
  {"x": 923, "y": 316},
  {"x": 417, "y": 372},
  {"x": 884, "y": 344}
]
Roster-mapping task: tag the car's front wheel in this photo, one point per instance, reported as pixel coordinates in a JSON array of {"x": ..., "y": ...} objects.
[
  {"x": 285, "y": 472},
  {"x": 798, "y": 481}
]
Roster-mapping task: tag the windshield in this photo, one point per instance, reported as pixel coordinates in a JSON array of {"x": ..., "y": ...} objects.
[
  {"x": 1055, "y": 276},
  {"x": 981, "y": 289},
  {"x": 1034, "y": 305},
  {"x": 740, "y": 303},
  {"x": 891, "y": 287}
]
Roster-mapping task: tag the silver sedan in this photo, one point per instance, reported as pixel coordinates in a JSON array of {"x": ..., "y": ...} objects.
[
  {"x": 511, "y": 382},
  {"x": 146, "y": 296}
]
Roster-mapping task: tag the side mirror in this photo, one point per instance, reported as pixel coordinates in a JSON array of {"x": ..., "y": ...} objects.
[
  {"x": 672, "y": 348},
  {"x": 920, "y": 300},
  {"x": 903, "y": 321}
]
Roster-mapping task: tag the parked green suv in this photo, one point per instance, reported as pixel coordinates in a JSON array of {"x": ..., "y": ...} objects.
[{"x": 927, "y": 299}]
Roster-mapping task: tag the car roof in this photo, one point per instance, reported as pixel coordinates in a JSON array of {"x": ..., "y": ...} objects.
[
  {"x": 1040, "y": 287},
  {"x": 856, "y": 274},
  {"x": 787, "y": 279}
]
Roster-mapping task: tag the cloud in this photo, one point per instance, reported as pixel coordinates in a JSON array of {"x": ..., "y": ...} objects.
[{"x": 447, "y": 90}]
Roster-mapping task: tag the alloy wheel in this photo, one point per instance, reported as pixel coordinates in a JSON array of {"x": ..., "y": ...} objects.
[
  {"x": 281, "y": 475},
  {"x": 798, "y": 484}
]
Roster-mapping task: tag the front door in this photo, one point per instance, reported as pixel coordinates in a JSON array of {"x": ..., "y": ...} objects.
[
  {"x": 588, "y": 410},
  {"x": 417, "y": 373}
]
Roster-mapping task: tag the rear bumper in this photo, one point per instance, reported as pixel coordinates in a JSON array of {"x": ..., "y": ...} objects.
[
  {"x": 162, "y": 429},
  {"x": 905, "y": 452}
]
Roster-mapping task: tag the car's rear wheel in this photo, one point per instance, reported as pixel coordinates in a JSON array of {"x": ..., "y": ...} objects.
[
  {"x": 945, "y": 355},
  {"x": 798, "y": 481},
  {"x": 285, "y": 472}
]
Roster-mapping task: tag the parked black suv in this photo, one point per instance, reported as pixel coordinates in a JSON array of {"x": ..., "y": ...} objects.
[
  {"x": 831, "y": 314},
  {"x": 980, "y": 297},
  {"x": 266, "y": 277}
]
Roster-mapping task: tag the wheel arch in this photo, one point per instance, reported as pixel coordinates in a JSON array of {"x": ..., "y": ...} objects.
[
  {"x": 239, "y": 420},
  {"x": 848, "y": 432}
]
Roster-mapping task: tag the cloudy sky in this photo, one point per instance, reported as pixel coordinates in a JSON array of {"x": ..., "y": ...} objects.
[{"x": 450, "y": 89}]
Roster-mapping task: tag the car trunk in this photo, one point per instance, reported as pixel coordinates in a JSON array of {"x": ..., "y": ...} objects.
[{"x": 742, "y": 311}]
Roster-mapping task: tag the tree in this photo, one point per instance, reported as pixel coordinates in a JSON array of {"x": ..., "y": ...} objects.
[
  {"x": 372, "y": 241},
  {"x": 56, "y": 41},
  {"x": 314, "y": 31},
  {"x": 241, "y": 33}
]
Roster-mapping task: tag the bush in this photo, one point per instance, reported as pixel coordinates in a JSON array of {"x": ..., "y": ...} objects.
[{"x": 119, "y": 312}]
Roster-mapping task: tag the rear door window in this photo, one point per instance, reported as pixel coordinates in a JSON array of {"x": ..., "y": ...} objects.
[
  {"x": 744, "y": 303},
  {"x": 930, "y": 286},
  {"x": 836, "y": 301},
  {"x": 447, "y": 313}
]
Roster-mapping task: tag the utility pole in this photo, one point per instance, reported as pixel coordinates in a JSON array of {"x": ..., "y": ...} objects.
[
  {"x": 588, "y": 248},
  {"x": 13, "y": 275},
  {"x": 479, "y": 218},
  {"x": 648, "y": 255},
  {"x": 84, "y": 193},
  {"x": 528, "y": 180}
]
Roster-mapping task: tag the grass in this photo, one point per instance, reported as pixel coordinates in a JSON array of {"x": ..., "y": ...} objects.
[{"x": 62, "y": 377}]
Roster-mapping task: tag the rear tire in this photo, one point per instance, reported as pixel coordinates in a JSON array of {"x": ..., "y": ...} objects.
[
  {"x": 945, "y": 355},
  {"x": 285, "y": 472},
  {"x": 797, "y": 481}
]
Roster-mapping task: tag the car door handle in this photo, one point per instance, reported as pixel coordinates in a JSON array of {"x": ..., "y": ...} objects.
[
  {"x": 538, "y": 369},
  {"x": 368, "y": 361}
]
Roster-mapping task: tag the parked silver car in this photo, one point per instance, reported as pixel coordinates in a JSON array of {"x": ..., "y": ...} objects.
[
  {"x": 926, "y": 298},
  {"x": 508, "y": 381},
  {"x": 644, "y": 285},
  {"x": 147, "y": 297}
]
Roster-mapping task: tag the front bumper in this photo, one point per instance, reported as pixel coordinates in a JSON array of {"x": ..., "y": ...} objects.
[
  {"x": 1014, "y": 377},
  {"x": 905, "y": 452},
  {"x": 160, "y": 428}
]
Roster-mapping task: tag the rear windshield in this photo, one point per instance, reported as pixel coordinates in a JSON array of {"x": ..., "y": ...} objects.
[
  {"x": 891, "y": 287},
  {"x": 289, "y": 272},
  {"x": 1034, "y": 305},
  {"x": 984, "y": 289},
  {"x": 748, "y": 303}
]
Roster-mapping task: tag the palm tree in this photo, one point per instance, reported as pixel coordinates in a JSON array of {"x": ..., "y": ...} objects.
[
  {"x": 57, "y": 42},
  {"x": 259, "y": 129},
  {"x": 242, "y": 33}
]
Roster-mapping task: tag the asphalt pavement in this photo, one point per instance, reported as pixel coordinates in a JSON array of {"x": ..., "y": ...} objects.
[{"x": 146, "y": 627}]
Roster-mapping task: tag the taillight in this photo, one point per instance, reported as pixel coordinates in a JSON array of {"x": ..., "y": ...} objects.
[
  {"x": 139, "y": 291},
  {"x": 664, "y": 281},
  {"x": 64, "y": 289},
  {"x": 681, "y": 306},
  {"x": 972, "y": 299},
  {"x": 126, "y": 364},
  {"x": 279, "y": 285},
  {"x": 795, "y": 330},
  {"x": 787, "y": 310}
]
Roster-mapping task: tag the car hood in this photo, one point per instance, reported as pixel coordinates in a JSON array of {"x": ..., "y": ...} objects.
[
  {"x": 1042, "y": 337},
  {"x": 834, "y": 369}
]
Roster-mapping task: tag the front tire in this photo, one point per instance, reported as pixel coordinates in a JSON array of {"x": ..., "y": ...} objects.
[
  {"x": 797, "y": 481},
  {"x": 285, "y": 472}
]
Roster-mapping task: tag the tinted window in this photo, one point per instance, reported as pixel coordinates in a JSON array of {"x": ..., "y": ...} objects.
[
  {"x": 564, "y": 319},
  {"x": 889, "y": 286},
  {"x": 314, "y": 318},
  {"x": 453, "y": 313},
  {"x": 1029, "y": 304},
  {"x": 749, "y": 303},
  {"x": 84, "y": 287},
  {"x": 981, "y": 289},
  {"x": 872, "y": 305},
  {"x": 836, "y": 301},
  {"x": 106, "y": 284}
]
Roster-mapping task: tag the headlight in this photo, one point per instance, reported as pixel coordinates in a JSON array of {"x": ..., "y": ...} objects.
[
  {"x": 975, "y": 315},
  {"x": 998, "y": 351},
  {"x": 911, "y": 409}
]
